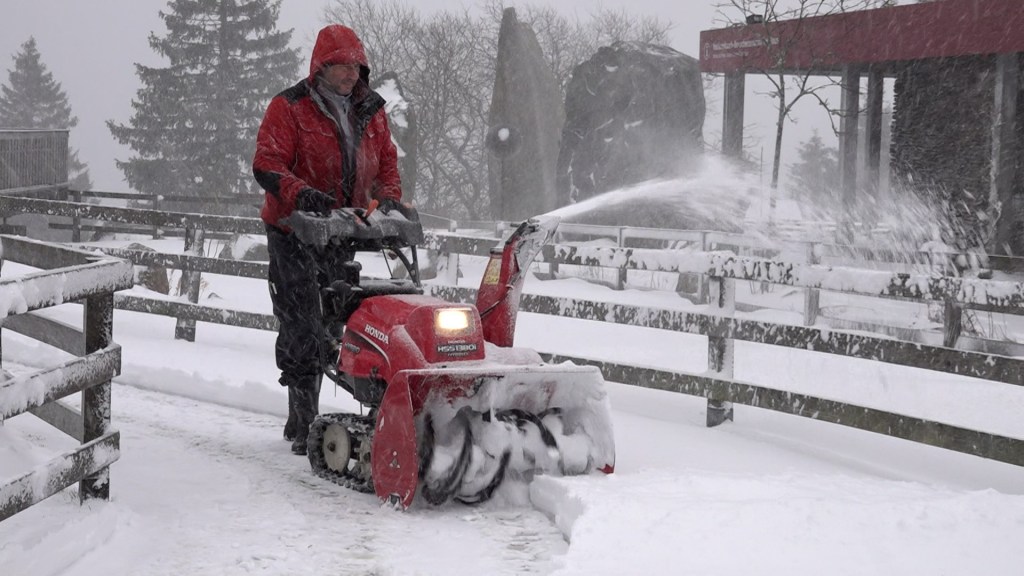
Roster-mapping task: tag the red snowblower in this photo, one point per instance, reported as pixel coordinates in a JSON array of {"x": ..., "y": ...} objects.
[{"x": 453, "y": 409}]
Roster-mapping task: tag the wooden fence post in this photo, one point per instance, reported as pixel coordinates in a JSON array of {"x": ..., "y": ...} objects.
[
  {"x": 721, "y": 351},
  {"x": 622, "y": 274},
  {"x": 76, "y": 220},
  {"x": 952, "y": 323},
  {"x": 185, "y": 329},
  {"x": 98, "y": 324},
  {"x": 549, "y": 255},
  {"x": 157, "y": 232},
  {"x": 451, "y": 273},
  {"x": 703, "y": 290},
  {"x": 812, "y": 296},
  {"x": 452, "y": 268}
]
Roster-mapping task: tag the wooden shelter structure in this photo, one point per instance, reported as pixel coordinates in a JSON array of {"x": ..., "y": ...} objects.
[{"x": 882, "y": 43}]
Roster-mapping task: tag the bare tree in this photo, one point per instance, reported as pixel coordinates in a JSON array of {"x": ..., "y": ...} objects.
[
  {"x": 787, "y": 89},
  {"x": 713, "y": 132},
  {"x": 452, "y": 81},
  {"x": 438, "y": 61}
]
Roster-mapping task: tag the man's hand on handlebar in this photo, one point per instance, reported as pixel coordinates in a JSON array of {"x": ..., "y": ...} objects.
[
  {"x": 312, "y": 200},
  {"x": 386, "y": 205}
]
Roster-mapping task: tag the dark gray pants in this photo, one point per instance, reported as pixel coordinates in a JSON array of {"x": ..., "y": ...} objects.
[{"x": 297, "y": 275}]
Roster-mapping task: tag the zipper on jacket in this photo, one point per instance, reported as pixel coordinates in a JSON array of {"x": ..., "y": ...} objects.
[
  {"x": 362, "y": 113},
  {"x": 348, "y": 165}
]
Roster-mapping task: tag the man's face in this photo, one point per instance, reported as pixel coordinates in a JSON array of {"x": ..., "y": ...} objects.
[{"x": 341, "y": 77}]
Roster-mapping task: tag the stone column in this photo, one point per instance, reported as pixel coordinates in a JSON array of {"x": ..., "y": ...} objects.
[
  {"x": 1005, "y": 155},
  {"x": 876, "y": 91},
  {"x": 849, "y": 116},
  {"x": 732, "y": 118}
]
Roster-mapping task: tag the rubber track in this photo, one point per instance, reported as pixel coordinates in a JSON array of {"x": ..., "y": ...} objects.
[{"x": 360, "y": 428}]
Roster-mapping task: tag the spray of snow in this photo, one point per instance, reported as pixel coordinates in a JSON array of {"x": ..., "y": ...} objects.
[
  {"x": 920, "y": 226},
  {"x": 396, "y": 107},
  {"x": 715, "y": 195}
]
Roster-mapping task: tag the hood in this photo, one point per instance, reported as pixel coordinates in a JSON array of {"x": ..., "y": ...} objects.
[{"x": 338, "y": 44}]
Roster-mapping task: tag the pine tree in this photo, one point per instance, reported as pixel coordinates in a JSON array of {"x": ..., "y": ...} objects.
[
  {"x": 194, "y": 125},
  {"x": 32, "y": 99},
  {"x": 815, "y": 175}
]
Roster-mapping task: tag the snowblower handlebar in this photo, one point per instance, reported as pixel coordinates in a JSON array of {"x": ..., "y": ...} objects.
[{"x": 358, "y": 229}]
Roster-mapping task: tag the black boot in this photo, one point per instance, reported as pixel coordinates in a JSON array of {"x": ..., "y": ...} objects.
[
  {"x": 307, "y": 406},
  {"x": 291, "y": 426}
]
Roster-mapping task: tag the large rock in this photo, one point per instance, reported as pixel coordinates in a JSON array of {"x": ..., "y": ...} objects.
[
  {"x": 526, "y": 121},
  {"x": 634, "y": 112},
  {"x": 155, "y": 278},
  {"x": 247, "y": 247}
]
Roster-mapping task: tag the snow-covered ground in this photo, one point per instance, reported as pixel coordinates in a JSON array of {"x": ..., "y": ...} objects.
[{"x": 206, "y": 485}]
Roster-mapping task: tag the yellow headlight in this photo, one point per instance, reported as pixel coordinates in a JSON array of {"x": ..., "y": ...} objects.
[{"x": 451, "y": 320}]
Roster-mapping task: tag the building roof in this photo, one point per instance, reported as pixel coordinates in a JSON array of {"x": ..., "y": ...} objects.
[{"x": 824, "y": 44}]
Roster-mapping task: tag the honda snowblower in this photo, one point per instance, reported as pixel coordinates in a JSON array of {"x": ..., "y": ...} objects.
[{"x": 453, "y": 409}]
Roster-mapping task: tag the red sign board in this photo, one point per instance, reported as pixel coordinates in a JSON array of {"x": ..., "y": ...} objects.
[{"x": 826, "y": 43}]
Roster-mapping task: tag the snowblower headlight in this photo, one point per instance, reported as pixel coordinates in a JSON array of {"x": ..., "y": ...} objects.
[{"x": 453, "y": 321}]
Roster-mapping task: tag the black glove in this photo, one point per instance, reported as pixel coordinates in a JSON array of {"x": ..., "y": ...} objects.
[
  {"x": 312, "y": 200},
  {"x": 386, "y": 205}
]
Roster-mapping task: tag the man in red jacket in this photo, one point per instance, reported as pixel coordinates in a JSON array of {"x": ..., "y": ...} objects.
[{"x": 324, "y": 143}]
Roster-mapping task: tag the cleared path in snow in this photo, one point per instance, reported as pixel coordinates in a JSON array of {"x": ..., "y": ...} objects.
[{"x": 209, "y": 489}]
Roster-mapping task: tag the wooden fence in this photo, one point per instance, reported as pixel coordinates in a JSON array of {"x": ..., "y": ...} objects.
[
  {"x": 81, "y": 224},
  {"x": 67, "y": 276},
  {"x": 718, "y": 322}
]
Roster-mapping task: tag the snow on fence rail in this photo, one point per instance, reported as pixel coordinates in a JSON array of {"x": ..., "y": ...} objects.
[
  {"x": 718, "y": 323},
  {"x": 195, "y": 226},
  {"x": 68, "y": 275},
  {"x": 1002, "y": 296}
]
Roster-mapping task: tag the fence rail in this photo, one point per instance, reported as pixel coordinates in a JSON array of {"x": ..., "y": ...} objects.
[
  {"x": 69, "y": 275},
  {"x": 717, "y": 321},
  {"x": 983, "y": 444}
]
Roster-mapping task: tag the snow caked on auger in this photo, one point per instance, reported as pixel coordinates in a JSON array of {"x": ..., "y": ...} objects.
[{"x": 454, "y": 409}]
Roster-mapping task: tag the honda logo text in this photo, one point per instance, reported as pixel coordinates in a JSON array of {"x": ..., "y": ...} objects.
[{"x": 376, "y": 333}]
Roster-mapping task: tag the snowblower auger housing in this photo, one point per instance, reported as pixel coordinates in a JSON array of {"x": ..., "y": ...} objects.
[{"x": 455, "y": 410}]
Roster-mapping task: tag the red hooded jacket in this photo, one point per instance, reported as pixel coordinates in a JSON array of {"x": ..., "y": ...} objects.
[{"x": 299, "y": 144}]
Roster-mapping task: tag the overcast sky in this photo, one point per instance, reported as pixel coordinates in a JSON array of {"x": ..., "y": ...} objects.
[{"x": 91, "y": 49}]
